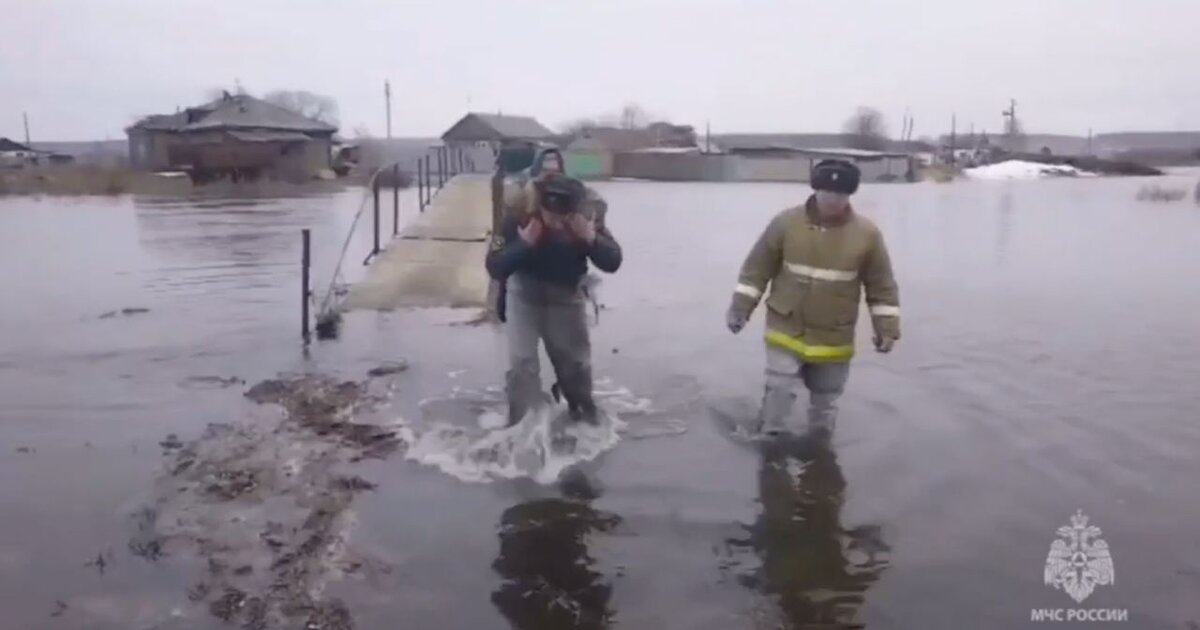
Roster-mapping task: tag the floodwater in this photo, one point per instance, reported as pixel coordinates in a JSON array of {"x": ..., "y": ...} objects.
[{"x": 1049, "y": 365}]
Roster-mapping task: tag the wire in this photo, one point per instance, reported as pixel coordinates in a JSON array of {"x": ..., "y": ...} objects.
[{"x": 368, "y": 194}]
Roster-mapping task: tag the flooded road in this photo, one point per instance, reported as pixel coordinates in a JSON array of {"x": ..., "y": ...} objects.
[{"x": 1048, "y": 366}]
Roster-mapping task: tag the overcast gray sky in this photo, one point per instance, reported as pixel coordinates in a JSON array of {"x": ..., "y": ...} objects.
[{"x": 84, "y": 69}]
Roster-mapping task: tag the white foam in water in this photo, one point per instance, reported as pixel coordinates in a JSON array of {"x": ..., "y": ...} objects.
[
  {"x": 492, "y": 420},
  {"x": 540, "y": 447}
]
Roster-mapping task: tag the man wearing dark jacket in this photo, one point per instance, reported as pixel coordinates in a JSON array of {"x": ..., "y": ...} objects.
[{"x": 542, "y": 256}]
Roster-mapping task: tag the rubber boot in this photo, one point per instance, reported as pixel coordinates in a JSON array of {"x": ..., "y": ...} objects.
[
  {"x": 523, "y": 391},
  {"x": 777, "y": 404}
]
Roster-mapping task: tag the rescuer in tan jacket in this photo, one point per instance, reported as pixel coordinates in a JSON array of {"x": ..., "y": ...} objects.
[{"x": 819, "y": 258}]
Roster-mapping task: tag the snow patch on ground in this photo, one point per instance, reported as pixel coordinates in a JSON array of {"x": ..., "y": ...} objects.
[{"x": 1019, "y": 169}]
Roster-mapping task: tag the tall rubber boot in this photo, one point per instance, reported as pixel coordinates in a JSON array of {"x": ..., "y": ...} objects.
[{"x": 777, "y": 403}]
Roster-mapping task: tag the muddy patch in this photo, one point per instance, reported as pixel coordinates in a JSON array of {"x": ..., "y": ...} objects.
[{"x": 266, "y": 505}]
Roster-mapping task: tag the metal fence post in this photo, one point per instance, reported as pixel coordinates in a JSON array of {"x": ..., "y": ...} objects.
[
  {"x": 375, "y": 190},
  {"x": 395, "y": 199},
  {"x": 428, "y": 181},
  {"x": 305, "y": 291},
  {"x": 420, "y": 185}
]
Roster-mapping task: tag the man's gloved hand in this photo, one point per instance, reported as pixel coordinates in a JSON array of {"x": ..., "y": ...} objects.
[
  {"x": 735, "y": 320},
  {"x": 884, "y": 344}
]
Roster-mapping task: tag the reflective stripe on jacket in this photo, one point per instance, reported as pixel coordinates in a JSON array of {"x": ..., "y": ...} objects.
[{"x": 817, "y": 275}]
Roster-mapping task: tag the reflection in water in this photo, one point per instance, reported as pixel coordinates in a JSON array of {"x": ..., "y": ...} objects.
[
  {"x": 1005, "y": 227},
  {"x": 549, "y": 578},
  {"x": 815, "y": 571}
]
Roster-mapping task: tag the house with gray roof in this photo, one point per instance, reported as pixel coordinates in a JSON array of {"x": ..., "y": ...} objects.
[
  {"x": 237, "y": 135},
  {"x": 496, "y": 129}
]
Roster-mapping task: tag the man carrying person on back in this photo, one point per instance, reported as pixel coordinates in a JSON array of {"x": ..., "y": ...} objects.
[
  {"x": 818, "y": 258},
  {"x": 542, "y": 256}
]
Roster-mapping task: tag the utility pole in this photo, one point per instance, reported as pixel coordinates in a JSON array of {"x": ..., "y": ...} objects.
[
  {"x": 25, "y": 115},
  {"x": 387, "y": 97},
  {"x": 1089, "y": 144},
  {"x": 1010, "y": 115},
  {"x": 707, "y": 137},
  {"x": 953, "y": 138}
]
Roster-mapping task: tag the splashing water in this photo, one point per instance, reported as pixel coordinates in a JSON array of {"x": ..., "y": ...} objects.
[
  {"x": 465, "y": 434},
  {"x": 540, "y": 447}
]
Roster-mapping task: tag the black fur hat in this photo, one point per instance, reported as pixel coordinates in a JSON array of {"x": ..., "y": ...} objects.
[
  {"x": 836, "y": 176},
  {"x": 560, "y": 194}
]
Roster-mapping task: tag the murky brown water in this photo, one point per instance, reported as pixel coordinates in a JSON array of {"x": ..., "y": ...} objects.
[{"x": 1049, "y": 365}]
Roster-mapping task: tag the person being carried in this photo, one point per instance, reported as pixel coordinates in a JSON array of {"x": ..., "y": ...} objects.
[
  {"x": 517, "y": 200},
  {"x": 541, "y": 256},
  {"x": 818, "y": 258}
]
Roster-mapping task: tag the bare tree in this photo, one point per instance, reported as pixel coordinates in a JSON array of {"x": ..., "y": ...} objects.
[
  {"x": 315, "y": 106},
  {"x": 633, "y": 117},
  {"x": 867, "y": 129}
]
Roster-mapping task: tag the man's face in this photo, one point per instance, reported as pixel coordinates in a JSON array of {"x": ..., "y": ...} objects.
[{"x": 831, "y": 203}]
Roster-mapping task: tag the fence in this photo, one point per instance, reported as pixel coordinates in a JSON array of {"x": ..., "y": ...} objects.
[{"x": 448, "y": 161}]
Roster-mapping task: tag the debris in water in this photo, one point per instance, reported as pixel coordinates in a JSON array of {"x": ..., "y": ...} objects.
[
  {"x": 229, "y": 605},
  {"x": 329, "y": 325},
  {"x": 60, "y": 607},
  {"x": 231, "y": 484},
  {"x": 199, "y": 592},
  {"x": 103, "y": 559},
  {"x": 268, "y": 391},
  {"x": 124, "y": 311},
  {"x": 354, "y": 484},
  {"x": 332, "y": 615},
  {"x": 390, "y": 367},
  {"x": 267, "y": 506},
  {"x": 26, "y": 449},
  {"x": 215, "y": 382}
]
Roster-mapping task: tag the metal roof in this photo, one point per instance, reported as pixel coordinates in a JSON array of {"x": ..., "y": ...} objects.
[
  {"x": 500, "y": 127},
  {"x": 11, "y": 145},
  {"x": 234, "y": 112}
]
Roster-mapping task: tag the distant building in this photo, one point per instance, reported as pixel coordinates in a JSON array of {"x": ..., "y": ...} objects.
[
  {"x": 495, "y": 130},
  {"x": 592, "y": 153},
  {"x": 235, "y": 135},
  {"x": 785, "y": 163},
  {"x": 13, "y": 154}
]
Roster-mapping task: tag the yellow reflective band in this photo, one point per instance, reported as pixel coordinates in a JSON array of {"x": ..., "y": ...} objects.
[
  {"x": 832, "y": 275},
  {"x": 749, "y": 291},
  {"x": 885, "y": 310},
  {"x": 815, "y": 354}
]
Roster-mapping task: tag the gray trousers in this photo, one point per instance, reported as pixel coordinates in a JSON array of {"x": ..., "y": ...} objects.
[
  {"x": 557, "y": 316},
  {"x": 786, "y": 375}
]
